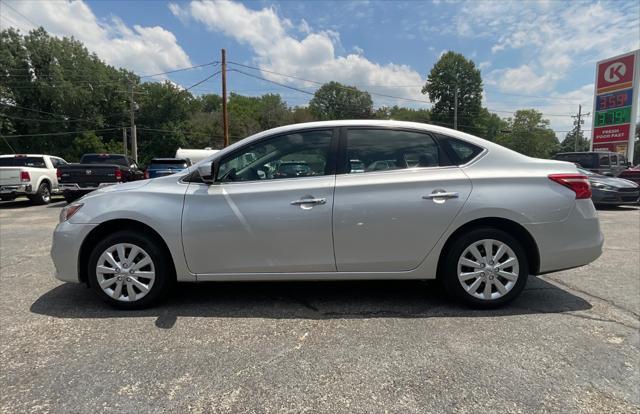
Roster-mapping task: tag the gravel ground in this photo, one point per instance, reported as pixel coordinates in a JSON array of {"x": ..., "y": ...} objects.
[{"x": 570, "y": 343}]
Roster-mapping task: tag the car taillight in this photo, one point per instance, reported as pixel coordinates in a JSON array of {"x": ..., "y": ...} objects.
[
  {"x": 146, "y": 174},
  {"x": 578, "y": 183},
  {"x": 118, "y": 174},
  {"x": 58, "y": 173},
  {"x": 24, "y": 176}
]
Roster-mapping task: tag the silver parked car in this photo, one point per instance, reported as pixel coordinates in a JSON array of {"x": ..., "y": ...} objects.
[{"x": 477, "y": 216}]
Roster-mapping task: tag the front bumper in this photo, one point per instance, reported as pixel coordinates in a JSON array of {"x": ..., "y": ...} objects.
[
  {"x": 65, "y": 249},
  {"x": 16, "y": 189},
  {"x": 574, "y": 242}
]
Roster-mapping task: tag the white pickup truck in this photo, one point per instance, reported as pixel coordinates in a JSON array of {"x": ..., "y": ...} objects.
[{"x": 33, "y": 175}]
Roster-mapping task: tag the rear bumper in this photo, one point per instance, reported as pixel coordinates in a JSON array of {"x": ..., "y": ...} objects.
[
  {"x": 16, "y": 189},
  {"x": 574, "y": 242},
  {"x": 65, "y": 249},
  {"x": 76, "y": 187}
]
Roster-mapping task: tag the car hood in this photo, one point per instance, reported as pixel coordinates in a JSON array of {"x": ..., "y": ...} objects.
[
  {"x": 117, "y": 188},
  {"x": 613, "y": 182}
]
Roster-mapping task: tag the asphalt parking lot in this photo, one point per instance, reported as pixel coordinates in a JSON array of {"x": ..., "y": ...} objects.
[{"x": 570, "y": 343}]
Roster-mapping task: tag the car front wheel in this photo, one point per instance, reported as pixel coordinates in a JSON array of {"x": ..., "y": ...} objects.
[
  {"x": 129, "y": 270},
  {"x": 486, "y": 268}
]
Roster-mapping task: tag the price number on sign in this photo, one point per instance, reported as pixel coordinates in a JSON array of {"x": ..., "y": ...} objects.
[
  {"x": 613, "y": 117},
  {"x": 612, "y": 101}
]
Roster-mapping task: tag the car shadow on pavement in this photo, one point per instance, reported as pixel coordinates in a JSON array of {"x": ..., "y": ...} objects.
[
  {"x": 24, "y": 203},
  {"x": 305, "y": 300}
]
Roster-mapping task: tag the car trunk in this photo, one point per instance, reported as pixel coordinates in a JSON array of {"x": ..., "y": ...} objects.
[{"x": 87, "y": 175}]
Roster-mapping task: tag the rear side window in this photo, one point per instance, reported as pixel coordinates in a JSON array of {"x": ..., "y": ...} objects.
[
  {"x": 461, "y": 151},
  {"x": 604, "y": 161},
  {"x": 370, "y": 150},
  {"x": 33, "y": 162}
]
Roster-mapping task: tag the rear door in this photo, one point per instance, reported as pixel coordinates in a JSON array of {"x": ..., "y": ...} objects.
[{"x": 389, "y": 220}]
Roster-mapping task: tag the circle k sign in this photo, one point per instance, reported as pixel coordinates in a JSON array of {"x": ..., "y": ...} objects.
[{"x": 615, "y": 74}]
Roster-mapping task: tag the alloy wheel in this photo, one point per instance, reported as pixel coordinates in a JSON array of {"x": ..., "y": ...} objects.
[
  {"x": 488, "y": 269},
  {"x": 125, "y": 272}
]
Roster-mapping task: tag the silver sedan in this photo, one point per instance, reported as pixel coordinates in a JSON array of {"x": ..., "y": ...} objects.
[{"x": 286, "y": 204}]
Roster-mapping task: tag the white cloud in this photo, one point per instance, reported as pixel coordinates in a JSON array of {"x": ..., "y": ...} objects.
[
  {"x": 484, "y": 65},
  {"x": 141, "y": 49},
  {"x": 554, "y": 37},
  {"x": 313, "y": 56}
]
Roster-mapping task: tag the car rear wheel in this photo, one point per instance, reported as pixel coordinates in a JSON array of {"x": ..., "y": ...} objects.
[
  {"x": 43, "y": 195},
  {"x": 485, "y": 268},
  {"x": 129, "y": 270}
]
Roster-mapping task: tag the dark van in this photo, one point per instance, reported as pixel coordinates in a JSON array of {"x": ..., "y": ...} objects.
[{"x": 605, "y": 163}]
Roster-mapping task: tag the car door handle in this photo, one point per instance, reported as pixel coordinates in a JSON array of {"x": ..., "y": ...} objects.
[
  {"x": 440, "y": 194},
  {"x": 309, "y": 201}
]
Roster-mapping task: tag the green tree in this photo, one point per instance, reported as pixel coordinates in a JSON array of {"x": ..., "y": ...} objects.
[
  {"x": 69, "y": 88},
  {"x": 336, "y": 101},
  {"x": 489, "y": 125},
  {"x": 453, "y": 72},
  {"x": 569, "y": 144},
  {"x": 529, "y": 134},
  {"x": 85, "y": 143},
  {"x": 398, "y": 113}
]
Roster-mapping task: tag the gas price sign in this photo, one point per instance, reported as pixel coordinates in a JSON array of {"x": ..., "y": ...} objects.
[{"x": 615, "y": 103}]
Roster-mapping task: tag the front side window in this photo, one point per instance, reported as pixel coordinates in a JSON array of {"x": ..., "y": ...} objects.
[
  {"x": 301, "y": 154},
  {"x": 370, "y": 150}
]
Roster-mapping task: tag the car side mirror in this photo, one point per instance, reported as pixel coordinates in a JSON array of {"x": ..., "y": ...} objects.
[{"x": 208, "y": 172}]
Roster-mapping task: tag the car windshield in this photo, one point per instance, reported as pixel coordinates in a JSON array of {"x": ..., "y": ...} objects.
[
  {"x": 104, "y": 159},
  {"x": 585, "y": 160},
  {"x": 34, "y": 162},
  {"x": 170, "y": 164}
]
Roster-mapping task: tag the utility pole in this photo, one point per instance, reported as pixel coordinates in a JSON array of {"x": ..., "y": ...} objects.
[
  {"x": 124, "y": 140},
  {"x": 225, "y": 116},
  {"x": 134, "y": 138},
  {"x": 578, "y": 123},
  {"x": 455, "y": 108}
]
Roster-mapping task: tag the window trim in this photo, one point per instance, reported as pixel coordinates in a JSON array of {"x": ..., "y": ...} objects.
[
  {"x": 331, "y": 161},
  {"x": 343, "y": 161}
]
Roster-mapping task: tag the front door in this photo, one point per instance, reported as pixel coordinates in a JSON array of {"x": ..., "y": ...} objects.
[
  {"x": 269, "y": 210},
  {"x": 387, "y": 220}
]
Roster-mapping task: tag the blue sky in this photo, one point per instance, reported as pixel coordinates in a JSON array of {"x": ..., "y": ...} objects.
[{"x": 538, "y": 54}]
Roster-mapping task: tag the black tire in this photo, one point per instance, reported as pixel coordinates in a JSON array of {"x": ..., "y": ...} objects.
[
  {"x": 42, "y": 195},
  {"x": 164, "y": 272},
  {"x": 70, "y": 197},
  {"x": 454, "y": 287}
]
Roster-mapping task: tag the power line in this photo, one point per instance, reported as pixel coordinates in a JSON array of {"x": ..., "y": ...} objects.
[
  {"x": 322, "y": 83},
  {"x": 61, "y": 133},
  {"x": 214, "y": 63},
  {"x": 23, "y": 16},
  {"x": 204, "y": 80}
]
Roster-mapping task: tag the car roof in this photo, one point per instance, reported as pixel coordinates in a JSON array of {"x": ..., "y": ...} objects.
[
  {"x": 26, "y": 155},
  {"x": 168, "y": 159},
  {"x": 483, "y": 143}
]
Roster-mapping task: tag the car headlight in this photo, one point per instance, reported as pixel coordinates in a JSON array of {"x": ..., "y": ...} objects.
[
  {"x": 601, "y": 186},
  {"x": 68, "y": 211}
]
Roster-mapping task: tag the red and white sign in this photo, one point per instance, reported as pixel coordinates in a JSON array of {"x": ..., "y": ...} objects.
[
  {"x": 612, "y": 133},
  {"x": 617, "y": 79},
  {"x": 615, "y": 74}
]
